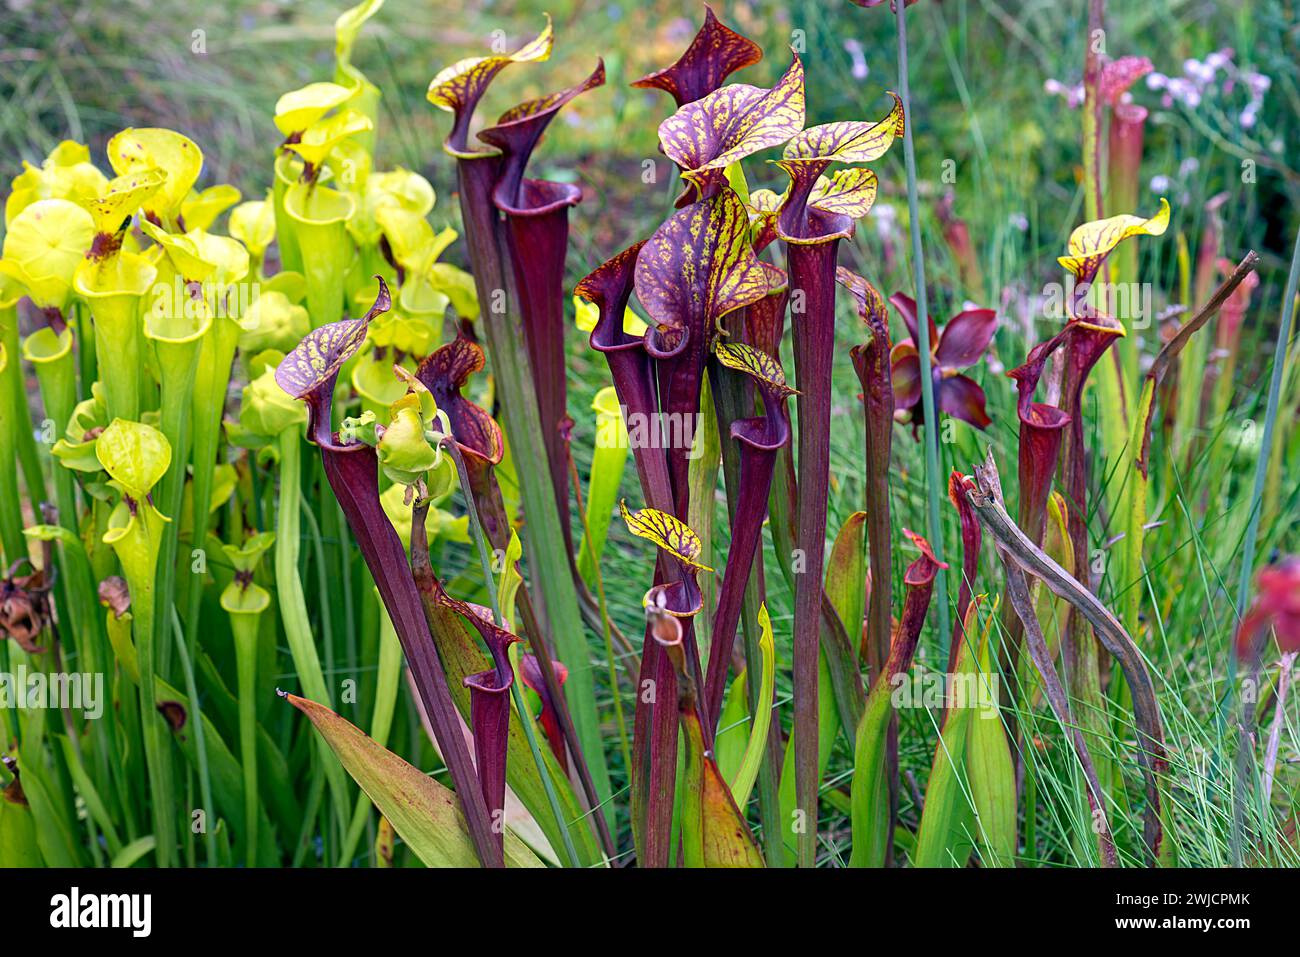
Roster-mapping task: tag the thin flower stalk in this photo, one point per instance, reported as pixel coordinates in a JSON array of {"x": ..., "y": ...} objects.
[
  {"x": 244, "y": 601},
  {"x": 1280, "y": 353},
  {"x": 933, "y": 492}
]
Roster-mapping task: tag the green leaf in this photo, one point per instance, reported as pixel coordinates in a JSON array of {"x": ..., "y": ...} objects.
[
  {"x": 743, "y": 783},
  {"x": 730, "y": 741},
  {"x": 846, "y": 576},
  {"x": 135, "y": 455},
  {"x": 842, "y": 632},
  {"x": 425, "y": 814},
  {"x": 870, "y": 783},
  {"x": 608, "y": 462},
  {"x": 714, "y": 832},
  {"x": 992, "y": 773},
  {"x": 18, "y": 847},
  {"x": 510, "y": 580},
  {"x": 134, "y": 851},
  {"x": 944, "y": 837},
  {"x": 223, "y": 767},
  {"x": 828, "y": 726}
]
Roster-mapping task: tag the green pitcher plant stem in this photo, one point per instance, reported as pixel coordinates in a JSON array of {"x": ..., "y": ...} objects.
[{"x": 293, "y": 603}]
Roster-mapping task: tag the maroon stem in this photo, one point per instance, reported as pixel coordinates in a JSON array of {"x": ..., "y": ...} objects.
[
  {"x": 757, "y": 463},
  {"x": 872, "y": 364},
  {"x": 537, "y": 244},
  {"x": 489, "y": 719},
  {"x": 812, "y": 273},
  {"x": 654, "y": 747},
  {"x": 477, "y": 178},
  {"x": 1039, "y": 448}
]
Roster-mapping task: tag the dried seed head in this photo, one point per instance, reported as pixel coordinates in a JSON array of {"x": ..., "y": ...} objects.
[
  {"x": 115, "y": 595},
  {"x": 25, "y": 609}
]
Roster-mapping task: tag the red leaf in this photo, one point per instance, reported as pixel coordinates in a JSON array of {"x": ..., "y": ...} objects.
[
  {"x": 962, "y": 398},
  {"x": 906, "y": 307},
  {"x": 965, "y": 338}
]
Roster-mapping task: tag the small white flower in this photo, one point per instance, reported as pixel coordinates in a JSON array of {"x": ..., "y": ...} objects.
[
  {"x": 854, "y": 50},
  {"x": 1184, "y": 91},
  {"x": 1258, "y": 82},
  {"x": 1160, "y": 183},
  {"x": 886, "y": 221},
  {"x": 1198, "y": 72}
]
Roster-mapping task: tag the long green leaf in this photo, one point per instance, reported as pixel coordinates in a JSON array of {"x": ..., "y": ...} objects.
[
  {"x": 743, "y": 783},
  {"x": 421, "y": 810}
]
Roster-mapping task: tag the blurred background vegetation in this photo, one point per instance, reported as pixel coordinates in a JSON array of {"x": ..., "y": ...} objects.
[{"x": 214, "y": 71}]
